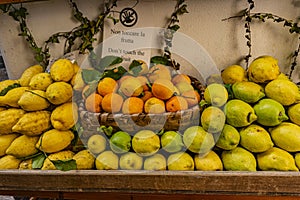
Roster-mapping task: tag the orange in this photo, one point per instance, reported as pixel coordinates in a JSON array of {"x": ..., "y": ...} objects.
[
  {"x": 112, "y": 103},
  {"x": 144, "y": 80},
  {"x": 107, "y": 85},
  {"x": 154, "y": 105},
  {"x": 181, "y": 78},
  {"x": 163, "y": 89},
  {"x": 159, "y": 71},
  {"x": 146, "y": 95},
  {"x": 133, "y": 105},
  {"x": 93, "y": 103},
  {"x": 176, "y": 103},
  {"x": 192, "y": 97}
]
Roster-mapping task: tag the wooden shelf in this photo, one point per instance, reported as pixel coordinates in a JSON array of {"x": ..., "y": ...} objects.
[{"x": 75, "y": 184}]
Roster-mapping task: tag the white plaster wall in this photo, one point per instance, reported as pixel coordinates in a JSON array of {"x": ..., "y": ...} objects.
[{"x": 224, "y": 40}]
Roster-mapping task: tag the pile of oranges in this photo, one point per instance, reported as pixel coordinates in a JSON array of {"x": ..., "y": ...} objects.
[{"x": 156, "y": 90}]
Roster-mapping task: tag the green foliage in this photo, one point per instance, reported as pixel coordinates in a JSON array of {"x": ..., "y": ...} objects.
[
  {"x": 4, "y": 91},
  {"x": 65, "y": 165}
]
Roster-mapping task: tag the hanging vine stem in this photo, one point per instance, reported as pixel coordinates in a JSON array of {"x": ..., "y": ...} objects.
[
  {"x": 294, "y": 28},
  {"x": 172, "y": 27},
  {"x": 84, "y": 33}
]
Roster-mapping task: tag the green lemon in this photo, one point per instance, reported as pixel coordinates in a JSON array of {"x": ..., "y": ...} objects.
[
  {"x": 145, "y": 143},
  {"x": 180, "y": 161},
  {"x": 209, "y": 162},
  {"x": 286, "y": 136},
  {"x": 120, "y": 142},
  {"x": 213, "y": 119},
  {"x": 269, "y": 112},
  {"x": 131, "y": 161},
  {"x": 171, "y": 141},
  {"x": 249, "y": 92},
  {"x": 263, "y": 69},
  {"x": 255, "y": 139},
  {"x": 276, "y": 159},
  {"x": 229, "y": 138},
  {"x": 155, "y": 162},
  {"x": 197, "y": 140},
  {"x": 216, "y": 94},
  {"x": 294, "y": 113},
  {"x": 107, "y": 160},
  {"x": 238, "y": 159},
  {"x": 239, "y": 113}
]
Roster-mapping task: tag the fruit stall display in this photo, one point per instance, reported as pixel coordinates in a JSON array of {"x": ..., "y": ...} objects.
[{"x": 247, "y": 120}]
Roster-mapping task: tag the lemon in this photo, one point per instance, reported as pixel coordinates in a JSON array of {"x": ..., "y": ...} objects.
[
  {"x": 62, "y": 70},
  {"x": 155, "y": 162},
  {"x": 284, "y": 91},
  {"x": 180, "y": 161},
  {"x": 9, "y": 162},
  {"x": 59, "y": 93},
  {"x": 216, "y": 94},
  {"x": 255, "y": 139},
  {"x": 249, "y": 92},
  {"x": 107, "y": 160},
  {"x": 286, "y": 136},
  {"x": 29, "y": 73},
  {"x": 22, "y": 146},
  {"x": 171, "y": 141},
  {"x": 5, "y": 141},
  {"x": 297, "y": 160},
  {"x": 26, "y": 164},
  {"x": 238, "y": 159},
  {"x": 96, "y": 143},
  {"x": 145, "y": 143},
  {"x": 131, "y": 161},
  {"x": 197, "y": 140},
  {"x": 229, "y": 138},
  {"x": 276, "y": 159},
  {"x": 84, "y": 160},
  {"x": 213, "y": 119},
  {"x": 209, "y": 162},
  {"x": 33, "y": 100},
  {"x": 61, "y": 155},
  {"x": 64, "y": 116},
  {"x": 40, "y": 81},
  {"x": 263, "y": 69},
  {"x": 54, "y": 140},
  {"x": 233, "y": 74},
  {"x": 12, "y": 97},
  {"x": 294, "y": 113},
  {"x": 239, "y": 113}
]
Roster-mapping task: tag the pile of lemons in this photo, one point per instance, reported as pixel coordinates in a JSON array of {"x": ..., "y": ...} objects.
[{"x": 250, "y": 120}]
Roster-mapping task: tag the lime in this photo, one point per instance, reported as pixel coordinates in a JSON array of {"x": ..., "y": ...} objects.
[
  {"x": 229, "y": 138},
  {"x": 120, "y": 142},
  {"x": 171, "y": 141}
]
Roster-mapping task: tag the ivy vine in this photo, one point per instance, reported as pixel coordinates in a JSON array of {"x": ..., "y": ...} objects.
[
  {"x": 246, "y": 14},
  {"x": 83, "y": 34}
]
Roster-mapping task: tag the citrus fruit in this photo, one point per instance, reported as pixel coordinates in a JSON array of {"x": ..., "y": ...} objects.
[
  {"x": 107, "y": 85},
  {"x": 233, "y": 74},
  {"x": 216, "y": 94},
  {"x": 120, "y": 142}
]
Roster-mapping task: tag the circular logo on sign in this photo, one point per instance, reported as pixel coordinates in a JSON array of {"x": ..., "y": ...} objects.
[{"x": 128, "y": 17}]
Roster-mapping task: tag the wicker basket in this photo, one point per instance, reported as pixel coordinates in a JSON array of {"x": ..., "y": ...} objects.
[{"x": 176, "y": 121}]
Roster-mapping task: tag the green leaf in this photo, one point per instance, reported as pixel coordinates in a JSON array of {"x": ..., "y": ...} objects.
[
  {"x": 174, "y": 27},
  {"x": 38, "y": 161},
  {"x": 92, "y": 88},
  {"x": 89, "y": 76},
  {"x": 4, "y": 91},
  {"x": 159, "y": 60},
  {"x": 229, "y": 90},
  {"x": 115, "y": 20},
  {"x": 135, "y": 66},
  {"x": 108, "y": 61},
  {"x": 106, "y": 130},
  {"x": 65, "y": 165},
  {"x": 115, "y": 73}
]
